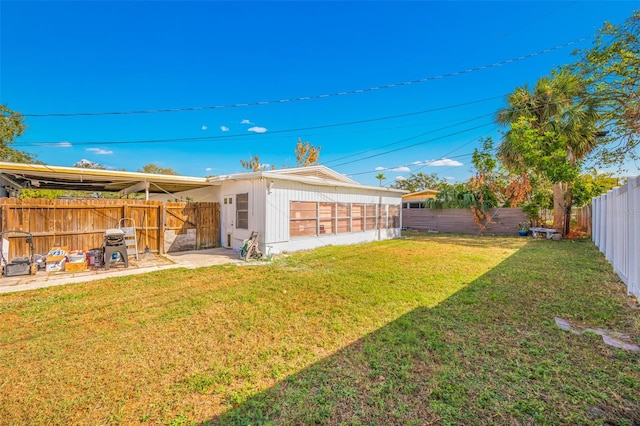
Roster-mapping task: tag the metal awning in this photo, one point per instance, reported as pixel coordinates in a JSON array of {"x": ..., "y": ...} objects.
[{"x": 38, "y": 176}]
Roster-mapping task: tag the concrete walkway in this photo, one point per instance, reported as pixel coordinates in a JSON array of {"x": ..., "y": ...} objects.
[{"x": 145, "y": 264}]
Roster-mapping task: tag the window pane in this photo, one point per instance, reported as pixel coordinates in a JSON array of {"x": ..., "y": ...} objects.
[
  {"x": 327, "y": 226},
  {"x": 327, "y": 213},
  {"x": 327, "y": 210},
  {"x": 303, "y": 220},
  {"x": 370, "y": 210},
  {"x": 242, "y": 211},
  {"x": 302, "y": 210},
  {"x": 344, "y": 218},
  {"x": 302, "y": 228},
  {"x": 382, "y": 216},
  {"x": 343, "y": 210},
  {"x": 343, "y": 225},
  {"x": 394, "y": 217}
]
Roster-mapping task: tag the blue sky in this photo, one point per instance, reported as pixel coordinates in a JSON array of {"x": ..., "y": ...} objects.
[{"x": 94, "y": 57}]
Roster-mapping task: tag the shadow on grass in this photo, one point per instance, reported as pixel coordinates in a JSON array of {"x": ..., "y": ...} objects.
[{"x": 489, "y": 354}]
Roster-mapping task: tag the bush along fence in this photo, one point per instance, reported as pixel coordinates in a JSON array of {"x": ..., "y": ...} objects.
[{"x": 616, "y": 231}]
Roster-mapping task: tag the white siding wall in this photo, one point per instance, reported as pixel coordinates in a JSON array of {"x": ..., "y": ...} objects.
[
  {"x": 276, "y": 234},
  {"x": 616, "y": 231},
  {"x": 257, "y": 191}
]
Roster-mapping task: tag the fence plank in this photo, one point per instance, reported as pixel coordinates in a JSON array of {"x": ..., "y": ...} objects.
[
  {"x": 616, "y": 231},
  {"x": 504, "y": 221},
  {"x": 80, "y": 224}
]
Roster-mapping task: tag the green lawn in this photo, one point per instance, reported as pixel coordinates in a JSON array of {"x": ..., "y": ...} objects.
[{"x": 425, "y": 329}]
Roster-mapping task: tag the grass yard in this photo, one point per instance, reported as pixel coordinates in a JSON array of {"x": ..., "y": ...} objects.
[{"x": 428, "y": 329}]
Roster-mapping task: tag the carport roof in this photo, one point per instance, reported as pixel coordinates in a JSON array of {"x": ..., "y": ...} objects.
[{"x": 72, "y": 178}]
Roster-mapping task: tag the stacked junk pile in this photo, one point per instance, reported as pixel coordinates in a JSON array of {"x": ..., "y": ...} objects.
[{"x": 118, "y": 244}]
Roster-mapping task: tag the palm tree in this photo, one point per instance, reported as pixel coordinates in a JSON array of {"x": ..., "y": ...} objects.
[
  {"x": 380, "y": 177},
  {"x": 552, "y": 128}
]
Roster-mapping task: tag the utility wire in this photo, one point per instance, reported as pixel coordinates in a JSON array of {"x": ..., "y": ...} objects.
[
  {"x": 415, "y": 144},
  {"x": 407, "y": 139},
  {"x": 407, "y": 165},
  {"x": 323, "y": 126},
  {"x": 313, "y": 97}
]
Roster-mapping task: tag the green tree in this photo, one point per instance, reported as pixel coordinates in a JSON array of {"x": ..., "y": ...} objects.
[
  {"x": 592, "y": 184},
  {"x": 11, "y": 127},
  {"x": 611, "y": 70},
  {"x": 381, "y": 177},
  {"x": 481, "y": 192},
  {"x": 155, "y": 169},
  {"x": 419, "y": 181},
  {"x": 306, "y": 154},
  {"x": 552, "y": 128}
]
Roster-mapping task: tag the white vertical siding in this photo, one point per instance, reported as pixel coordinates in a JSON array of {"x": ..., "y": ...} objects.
[
  {"x": 282, "y": 192},
  {"x": 256, "y": 190},
  {"x": 616, "y": 231}
]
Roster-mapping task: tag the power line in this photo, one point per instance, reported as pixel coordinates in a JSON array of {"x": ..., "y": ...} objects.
[
  {"x": 315, "y": 97},
  {"x": 324, "y": 126},
  {"x": 407, "y": 139},
  {"x": 415, "y": 144},
  {"x": 407, "y": 165}
]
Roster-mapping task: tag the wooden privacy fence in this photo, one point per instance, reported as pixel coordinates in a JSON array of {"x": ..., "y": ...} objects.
[
  {"x": 616, "y": 231},
  {"x": 191, "y": 226},
  {"x": 79, "y": 224},
  {"x": 583, "y": 218},
  {"x": 504, "y": 221}
]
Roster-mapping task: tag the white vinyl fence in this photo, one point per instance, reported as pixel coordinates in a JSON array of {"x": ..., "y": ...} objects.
[{"x": 616, "y": 231}]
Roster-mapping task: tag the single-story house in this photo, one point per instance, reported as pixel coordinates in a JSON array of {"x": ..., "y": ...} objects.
[
  {"x": 291, "y": 209},
  {"x": 415, "y": 200},
  {"x": 301, "y": 208}
]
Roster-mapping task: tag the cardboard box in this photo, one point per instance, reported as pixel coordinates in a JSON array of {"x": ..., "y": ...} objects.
[
  {"x": 58, "y": 251},
  {"x": 55, "y": 263},
  {"x": 75, "y": 266}
]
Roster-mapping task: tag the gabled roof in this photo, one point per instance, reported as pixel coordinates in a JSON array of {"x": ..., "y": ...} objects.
[
  {"x": 313, "y": 175},
  {"x": 74, "y": 178},
  {"x": 322, "y": 173},
  {"x": 421, "y": 195}
]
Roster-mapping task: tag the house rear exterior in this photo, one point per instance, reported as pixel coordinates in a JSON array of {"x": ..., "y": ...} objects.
[
  {"x": 304, "y": 208},
  {"x": 291, "y": 209}
]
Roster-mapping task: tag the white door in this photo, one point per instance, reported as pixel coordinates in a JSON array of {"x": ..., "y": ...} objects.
[{"x": 228, "y": 220}]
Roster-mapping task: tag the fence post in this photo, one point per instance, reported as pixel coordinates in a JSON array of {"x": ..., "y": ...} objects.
[
  {"x": 160, "y": 226},
  {"x": 633, "y": 277}
]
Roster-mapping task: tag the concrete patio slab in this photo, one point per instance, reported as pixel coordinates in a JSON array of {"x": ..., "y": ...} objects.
[{"x": 145, "y": 264}]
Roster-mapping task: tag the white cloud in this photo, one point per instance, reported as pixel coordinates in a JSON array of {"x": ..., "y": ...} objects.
[
  {"x": 417, "y": 163},
  {"x": 443, "y": 162},
  {"x": 394, "y": 169},
  {"x": 224, "y": 128},
  {"x": 401, "y": 169},
  {"x": 401, "y": 178},
  {"x": 245, "y": 121},
  {"x": 100, "y": 151},
  {"x": 449, "y": 178},
  {"x": 204, "y": 127},
  {"x": 64, "y": 144},
  {"x": 257, "y": 129}
]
